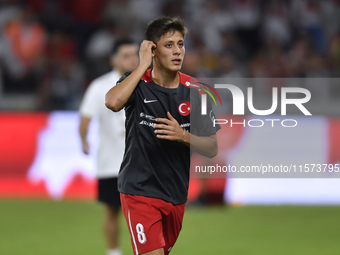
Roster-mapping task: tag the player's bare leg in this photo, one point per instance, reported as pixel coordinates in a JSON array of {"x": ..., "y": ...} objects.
[
  {"x": 159, "y": 251},
  {"x": 111, "y": 226}
]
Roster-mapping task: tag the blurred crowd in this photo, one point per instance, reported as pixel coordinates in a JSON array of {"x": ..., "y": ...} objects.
[{"x": 54, "y": 48}]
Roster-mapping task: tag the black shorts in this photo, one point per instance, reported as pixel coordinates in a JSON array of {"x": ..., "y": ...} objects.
[{"x": 108, "y": 192}]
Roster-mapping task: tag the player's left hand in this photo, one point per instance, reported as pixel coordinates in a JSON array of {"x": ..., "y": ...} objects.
[{"x": 170, "y": 130}]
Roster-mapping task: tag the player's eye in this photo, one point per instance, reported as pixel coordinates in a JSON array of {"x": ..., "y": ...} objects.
[
  {"x": 181, "y": 45},
  {"x": 168, "y": 45}
]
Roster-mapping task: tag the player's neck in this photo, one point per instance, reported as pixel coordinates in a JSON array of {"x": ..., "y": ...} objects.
[
  {"x": 121, "y": 72},
  {"x": 164, "y": 78}
]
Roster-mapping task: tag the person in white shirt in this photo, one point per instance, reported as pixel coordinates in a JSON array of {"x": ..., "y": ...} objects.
[{"x": 111, "y": 135}]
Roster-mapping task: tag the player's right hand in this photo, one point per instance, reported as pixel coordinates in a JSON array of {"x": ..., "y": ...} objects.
[
  {"x": 85, "y": 147},
  {"x": 146, "y": 52}
]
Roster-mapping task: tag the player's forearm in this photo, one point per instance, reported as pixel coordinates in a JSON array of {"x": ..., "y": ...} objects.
[
  {"x": 117, "y": 96},
  {"x": 203, "y": 145},
  {"x": 83, "y": 127}
]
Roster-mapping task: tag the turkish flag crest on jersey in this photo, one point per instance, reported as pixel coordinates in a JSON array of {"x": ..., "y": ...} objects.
[{"x": 184, "y": 108}]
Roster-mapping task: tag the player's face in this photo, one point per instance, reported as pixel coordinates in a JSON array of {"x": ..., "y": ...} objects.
[
  {"x": 126, "y": 58},
  {"x": 170, "y": 51}
]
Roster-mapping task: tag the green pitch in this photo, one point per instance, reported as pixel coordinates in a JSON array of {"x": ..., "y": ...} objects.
[{"x": 62, "y": 228}]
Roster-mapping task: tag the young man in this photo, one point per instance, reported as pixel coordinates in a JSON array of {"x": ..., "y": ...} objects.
[
  {"x": 111, "y": 136},
  {"x": 154, "y": 175}
]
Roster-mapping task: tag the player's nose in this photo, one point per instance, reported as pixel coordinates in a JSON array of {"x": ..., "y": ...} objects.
[{"x": 177, "y": 50}]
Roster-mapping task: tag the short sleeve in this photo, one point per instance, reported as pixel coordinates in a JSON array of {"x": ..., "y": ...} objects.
[
  {"x": 126, "y": 74},
  {"x": 203, "y": 125},
  {"x": 132, "y": 97},
  {"x": 89, "y": 105}
]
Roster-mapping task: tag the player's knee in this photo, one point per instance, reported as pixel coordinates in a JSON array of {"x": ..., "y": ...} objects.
[{"x": 112, "y": 212}]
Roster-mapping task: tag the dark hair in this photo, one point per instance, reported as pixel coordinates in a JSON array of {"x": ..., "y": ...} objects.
[
  {"x": 160, "y": 26},
  {"x": 121, "y": 42}
]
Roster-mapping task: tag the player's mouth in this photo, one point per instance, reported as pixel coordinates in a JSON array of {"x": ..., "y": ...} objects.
[{"x": 177, "y": 61}]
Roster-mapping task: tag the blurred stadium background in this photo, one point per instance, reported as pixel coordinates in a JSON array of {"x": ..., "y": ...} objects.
[{"x": 50, "y": 50}]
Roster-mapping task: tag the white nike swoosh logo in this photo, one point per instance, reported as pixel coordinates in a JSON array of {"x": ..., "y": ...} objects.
[{"x": 149, "y": 101}]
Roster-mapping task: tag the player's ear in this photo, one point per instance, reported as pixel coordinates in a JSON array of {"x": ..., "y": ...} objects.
[
  {"x": 113, "y": 61},
  {"x": 153, "y": 50}
]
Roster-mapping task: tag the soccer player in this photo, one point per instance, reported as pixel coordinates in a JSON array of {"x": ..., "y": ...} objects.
[
  {"x": 154, "y": 175},
  {"x": 111, "y": 136}
]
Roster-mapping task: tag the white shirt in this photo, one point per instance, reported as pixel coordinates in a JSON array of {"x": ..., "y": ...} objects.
[{"x": 111, "y": 125}]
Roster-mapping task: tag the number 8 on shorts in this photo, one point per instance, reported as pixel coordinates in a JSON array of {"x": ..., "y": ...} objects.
[{"x": 140, "y": 233}]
